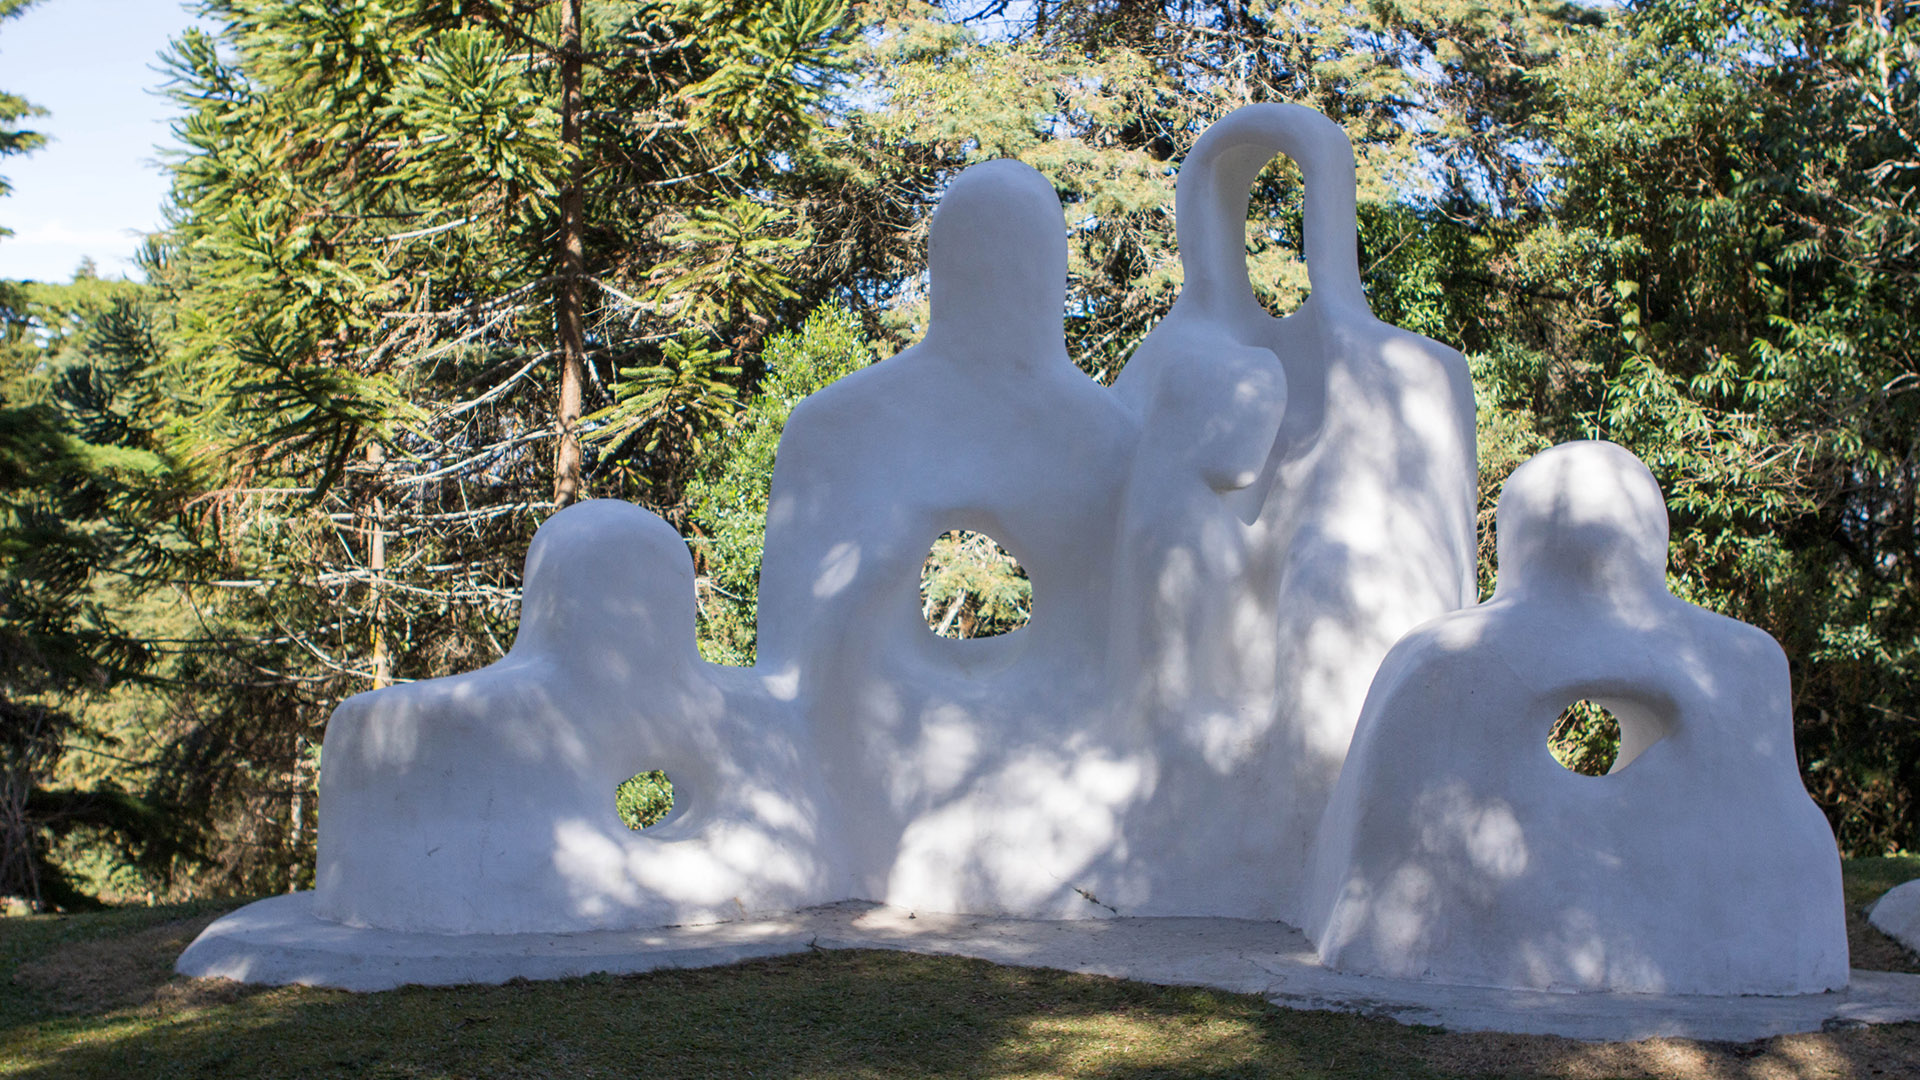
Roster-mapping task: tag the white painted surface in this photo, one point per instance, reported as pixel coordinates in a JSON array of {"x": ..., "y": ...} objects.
[
  {"x": 1456, "y": 849},
  {"x": 984, "y": 775},
  {"x": 1222, "y": 547}
]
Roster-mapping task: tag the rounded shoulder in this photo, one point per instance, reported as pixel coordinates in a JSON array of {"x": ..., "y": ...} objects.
[
  {"x": 856, "y": 391},
  {"x": 1448, "y": 638},
  {"x": 1739, "y": 641},
  {"x": 1404, "y": 349}
]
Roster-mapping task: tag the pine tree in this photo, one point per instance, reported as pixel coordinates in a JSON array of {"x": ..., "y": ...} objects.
[{"x": 13, "y": 109}]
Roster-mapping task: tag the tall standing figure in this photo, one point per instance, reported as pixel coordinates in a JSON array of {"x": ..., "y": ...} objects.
[
  {"x": 981, "y": 775},
  {"x": 1355, "y": 525}
]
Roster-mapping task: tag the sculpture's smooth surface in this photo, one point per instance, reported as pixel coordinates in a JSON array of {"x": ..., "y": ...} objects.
[
  {"x": 1457, "y": 849},
  {"x": 1221, "y": 549},
  {"x": 1897, "y": 914},
  {"x": 483, "y": 803},
  {"x": 980, "y": 775}
]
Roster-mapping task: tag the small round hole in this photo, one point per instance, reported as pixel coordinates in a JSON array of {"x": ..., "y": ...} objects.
[
  {"x": 971, "y": 587},
  {"x": 644, "y": 799},
  {"x": 1585, "y": 739}
]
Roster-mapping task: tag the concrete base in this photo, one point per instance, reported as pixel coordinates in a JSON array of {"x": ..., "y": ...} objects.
[{"x": 279, "y": 941}]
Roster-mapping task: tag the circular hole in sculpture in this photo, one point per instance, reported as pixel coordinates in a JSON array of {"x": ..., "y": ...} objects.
[
  {"x": 971, "y": 587},
  {"x": 1585, "y": 739},
  {"x": 644, "y": 799}
]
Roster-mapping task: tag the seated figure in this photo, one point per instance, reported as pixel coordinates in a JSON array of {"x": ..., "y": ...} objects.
[
  {"x": 484, "y": 802},
  {"x": 1457, "y": 849}
]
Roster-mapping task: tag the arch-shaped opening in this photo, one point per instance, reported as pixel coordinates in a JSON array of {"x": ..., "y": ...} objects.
[
  {"x": 972, "y": 587},
  {"x": 1585, "y": 739},
  {"x": 644, "y": 799},
  {"x": 1276, "y": 240}
]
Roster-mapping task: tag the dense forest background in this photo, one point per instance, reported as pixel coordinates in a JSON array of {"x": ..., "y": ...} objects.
[{"x": 436, "y": 268}]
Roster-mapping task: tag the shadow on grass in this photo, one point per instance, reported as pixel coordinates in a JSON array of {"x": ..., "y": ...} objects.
[
  {"x": 94, "y": 996},
  {"x": 839, "y": 1014}
]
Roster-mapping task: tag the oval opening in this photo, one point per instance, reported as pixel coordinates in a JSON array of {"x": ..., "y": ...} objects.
[
  {"x": 1585, "y": 739},
  {"x": 644, "y": 799},
  {"x": 971, "y": 587}
]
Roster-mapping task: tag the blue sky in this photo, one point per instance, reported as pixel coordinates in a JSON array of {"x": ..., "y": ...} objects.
[{"x": 96, "y": 186}]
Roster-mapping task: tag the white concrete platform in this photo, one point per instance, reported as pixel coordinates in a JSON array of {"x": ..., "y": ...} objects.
[{"x": 279, "y": 941}]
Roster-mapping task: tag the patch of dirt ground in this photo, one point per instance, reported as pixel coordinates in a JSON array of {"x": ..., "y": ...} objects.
[
  {"x": 126, "y": 972},
  {"x": 1892, "y": 1050}
]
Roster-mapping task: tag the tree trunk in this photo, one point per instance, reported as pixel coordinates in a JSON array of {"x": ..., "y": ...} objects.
[
  {"x": 376, "y": 568},
  {"x": 568, "y": 301}
]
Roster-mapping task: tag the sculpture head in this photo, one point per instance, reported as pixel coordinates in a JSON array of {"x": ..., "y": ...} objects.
[
  {"x": 997, "y": 257},
  {"x": 603, "y": 578},
  {"x": 1219, "y": 411},
  {"x": 1212, "y": 194},
  {"x": 1586, "y": 515}
]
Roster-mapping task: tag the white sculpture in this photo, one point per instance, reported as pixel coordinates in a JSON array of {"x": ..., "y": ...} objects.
[
  {"x": 1359, "y": 527},
  {"x": 1019, "y": 775},
  {"x": 1897, "y": 914},
  {"x": 1222, "y": 548},
  {"x": 483, "y": 803},
  {"x": 1152, "y": 742},
  {"x": 1457, "y": 849},
  {"x": 979, "y": 775}
]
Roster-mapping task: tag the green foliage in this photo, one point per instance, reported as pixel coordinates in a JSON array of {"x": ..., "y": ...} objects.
[
  {"x": 681, "y": 398},
  {"x": 729, "y": 261},
  {"x": 76, "y": 471},
  {"x": 1721, "y": 282},
  {"x": 643, "y": 799},
  {"x": 972, "y": 587},
  {"x": 1585, "y": 738},
  {"x": 729, "y": 497}
]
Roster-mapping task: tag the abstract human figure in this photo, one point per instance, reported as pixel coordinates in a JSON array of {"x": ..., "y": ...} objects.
[
  {"x": 1358, "y": 526},
  {"x": 1457, "y": 849},
  {"x": 1184, "y": 597},
  {"x": 484, "y": 802},
  {"x": 980, "y": 775}
]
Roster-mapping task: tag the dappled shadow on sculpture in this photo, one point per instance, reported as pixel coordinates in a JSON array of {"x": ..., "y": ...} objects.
[
  {"x": 1222, "y": 549},
  {"x": 1253, "y": 616},
  {"x": 1457, "y": 849},
  {"x": 975, "y": 775}
]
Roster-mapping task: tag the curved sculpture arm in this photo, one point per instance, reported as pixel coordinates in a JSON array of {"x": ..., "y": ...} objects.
[{"x": 1211, "y": 202}]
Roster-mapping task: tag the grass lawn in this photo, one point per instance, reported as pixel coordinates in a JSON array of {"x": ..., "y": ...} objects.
[{"x": 94, "y": 996}]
